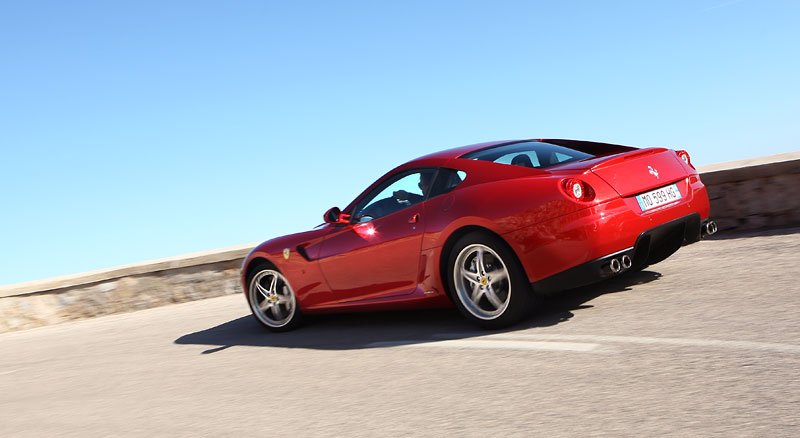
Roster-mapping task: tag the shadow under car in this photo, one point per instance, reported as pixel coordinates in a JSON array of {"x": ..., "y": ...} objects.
[{"x": 380, "y": 329}]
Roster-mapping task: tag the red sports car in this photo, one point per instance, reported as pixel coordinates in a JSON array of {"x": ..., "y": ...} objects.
[{"x": 486, "y": 227}]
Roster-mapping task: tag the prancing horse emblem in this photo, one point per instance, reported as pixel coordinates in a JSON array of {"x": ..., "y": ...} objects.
[
  {"x": 286, "y": 253},
  {"x": 652, "y": 171}
]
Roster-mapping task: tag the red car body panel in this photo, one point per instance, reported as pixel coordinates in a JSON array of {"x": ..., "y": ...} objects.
[{"x": 396, "y": 261}]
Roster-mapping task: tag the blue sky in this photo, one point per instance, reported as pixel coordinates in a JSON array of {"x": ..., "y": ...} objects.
[{"x": 137, "y": 130}]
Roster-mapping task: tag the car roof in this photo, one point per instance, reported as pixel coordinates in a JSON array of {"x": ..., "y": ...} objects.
[
  {"x": 449, "y": 154},
  {"x": 591, "y": 147},
  {"x": 436, "y": 159}
]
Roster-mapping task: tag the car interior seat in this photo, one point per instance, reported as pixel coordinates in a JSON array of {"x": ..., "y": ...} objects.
[{"x": 522, "y": 160}]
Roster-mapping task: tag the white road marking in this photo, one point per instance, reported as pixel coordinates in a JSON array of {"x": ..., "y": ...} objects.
[
  {"x": 681, "y": 342},
  {"x": 574, "y": 343},
  {"x": 487, "y": 344}
]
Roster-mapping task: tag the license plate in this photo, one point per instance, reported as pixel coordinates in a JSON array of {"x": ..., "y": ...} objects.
[{"x": 658, "y": 197}]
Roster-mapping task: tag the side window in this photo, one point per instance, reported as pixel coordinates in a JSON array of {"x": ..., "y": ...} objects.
[
  {"x": 561, "y": 157},
  {"x": 446, "y": 181},
  {"x": 397, "y": 193}
]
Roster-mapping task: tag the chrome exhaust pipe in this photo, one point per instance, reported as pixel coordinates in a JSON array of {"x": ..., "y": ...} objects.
[
  {"x": 626, "y": 262},
  {"x": 615, "y": 266},
  {"x": 709, "y": 228}
]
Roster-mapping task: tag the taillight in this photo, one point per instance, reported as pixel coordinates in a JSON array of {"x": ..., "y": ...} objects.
[
  {"x": 685, "y": 157},
  {"x": 577, "y": 190}
]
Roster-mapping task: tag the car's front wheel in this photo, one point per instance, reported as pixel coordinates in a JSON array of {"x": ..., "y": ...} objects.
[
  {"x": 487, "y": 282},
  {"x": 272, "y": 299}
]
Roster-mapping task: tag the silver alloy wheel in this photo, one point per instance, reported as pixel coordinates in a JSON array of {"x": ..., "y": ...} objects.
[
  {"x": 483, "y": 284},
  {"x": 272, "y": 298}
]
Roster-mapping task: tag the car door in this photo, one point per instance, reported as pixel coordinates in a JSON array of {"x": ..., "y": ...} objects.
[{"x": 377, "y": 255}]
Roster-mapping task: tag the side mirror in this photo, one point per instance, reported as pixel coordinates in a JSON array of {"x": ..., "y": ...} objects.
[{"x": 335, "y": 216}]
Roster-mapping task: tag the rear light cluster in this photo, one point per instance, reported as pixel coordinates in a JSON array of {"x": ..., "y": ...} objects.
[
  {"x": 577, "y": 190},
  {"x": 685, "y": 157}
]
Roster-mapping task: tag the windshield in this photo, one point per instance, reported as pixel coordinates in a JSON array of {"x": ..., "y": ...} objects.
[{"x": 532, "y": 154}]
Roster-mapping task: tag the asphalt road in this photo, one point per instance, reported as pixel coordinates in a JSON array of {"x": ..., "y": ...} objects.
[{"x": 706, "y": 343}]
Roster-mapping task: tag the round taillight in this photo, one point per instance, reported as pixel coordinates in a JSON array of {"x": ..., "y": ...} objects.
[
  {"x": 685, "y": 157},
  {"x": 577, "y": 189}
]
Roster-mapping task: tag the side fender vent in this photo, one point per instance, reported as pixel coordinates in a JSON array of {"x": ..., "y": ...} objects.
[{"x": 302, "y": 251}]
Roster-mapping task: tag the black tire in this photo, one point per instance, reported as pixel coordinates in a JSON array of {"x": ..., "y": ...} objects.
[
  {"x": 265, "y": 317},
  {"x": 515, "y": 293}
]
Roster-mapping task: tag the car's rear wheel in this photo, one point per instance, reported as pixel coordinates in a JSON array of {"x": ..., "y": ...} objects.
[
  {"x": 487, "y": 282},
  {"x": 272, "y": 299}
]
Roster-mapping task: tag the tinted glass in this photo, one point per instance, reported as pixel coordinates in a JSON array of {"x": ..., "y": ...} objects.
[
  {"x": 394, "y": 195},
  {"x": 529, "y": 154},
  {"x": 446, "y": 181}
]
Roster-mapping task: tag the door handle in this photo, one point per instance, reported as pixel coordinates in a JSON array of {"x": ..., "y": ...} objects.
[{"x": 414, "y": 219}]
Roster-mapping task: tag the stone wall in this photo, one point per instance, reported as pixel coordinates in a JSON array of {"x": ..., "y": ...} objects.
[
  {"x": 755, "y": 194},
  {"x": 745, "y": 195},
  {"x": 125, "y": 289}
]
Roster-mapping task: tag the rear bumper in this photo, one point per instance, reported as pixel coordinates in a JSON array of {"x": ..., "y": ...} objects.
[
  {"x": 652, "y": 246},
  {"x": 556, "y": 246}
]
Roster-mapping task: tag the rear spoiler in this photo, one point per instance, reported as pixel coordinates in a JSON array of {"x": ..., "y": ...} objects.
[
  {"x": 589, "y": 147},
  {"x": 624, "y": 157}
]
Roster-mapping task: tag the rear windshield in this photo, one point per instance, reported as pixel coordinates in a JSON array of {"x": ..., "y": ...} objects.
[{"x": 533, "y": 154}]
